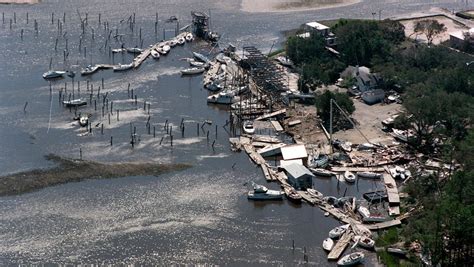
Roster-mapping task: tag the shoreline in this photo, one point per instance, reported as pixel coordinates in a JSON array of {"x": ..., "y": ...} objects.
[
  {"x": 70, "y": 170},
  {"x": 19, "y": 2},
  {"x": 281, "y": 6}
]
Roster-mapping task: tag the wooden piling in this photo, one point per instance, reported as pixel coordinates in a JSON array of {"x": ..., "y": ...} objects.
[{"x": 24, "y": 108}]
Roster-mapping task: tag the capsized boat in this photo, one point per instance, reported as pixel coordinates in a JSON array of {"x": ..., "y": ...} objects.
[
  {"x": 89, "y": 70},
  {"x": 349, "y": 177},
  {"x": 365, "y": 242},
  {"x": 322, "y": 172},
  {"x": 351, "y": 259},
  {"x": 328, "y": 244},
  {"x": 134, "y": 50},
  {"x": 201, "y": 57},
  {"x": 154, "y": 54},
  {"x": 192, "y": 71},
  {"x": 248, "y": 127},
  {"x": 75, "y": 102},
  {"x": 261, "y": 192},
  {"x": 369, "y": 175},
  {"x": 53, "y": 74},
  {"x": 338, "y": 231},
  {"x": 122, "y": 67},
  {"x": 292, "y": 195}
]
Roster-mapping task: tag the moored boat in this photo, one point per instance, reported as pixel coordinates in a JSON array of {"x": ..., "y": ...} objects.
[
  {"x": 292, "y": 195},
  {"x": 314, "y": 193},
  {"x": 181, "y": 41},
  {"x": 322, "y": 172},
  {"x": 89, "y": 70},
  {"x": 122, "y": 67},
  {"x": 221, "y": 98},
  {"x": 248, "y": 127},
  {"x": 189, "y": 37},
  {"x": 351, "y": 259},
  {"x": 349, "y": 177},
  {"x": 261, "y": 192},
  {"x": 369, "y": 175},
  {"x": 154, "y": 54},
  {"x": 328, "y": 244},
  {"x": 364, "y": 241},
  {"x": 201, "y": 57},
  {"x": 336, "y": 232},
  {"x": 198, "y": 64},
  {"x": 75, "y": 102},
  {"x": 53, "y": 74},
  {"x": 119, "y": 50},
  {"x": 134, "y": 50},
  {"x": 192, "y": 71}
]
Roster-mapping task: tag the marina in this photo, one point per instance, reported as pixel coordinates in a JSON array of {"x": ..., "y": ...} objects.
[{"x": 154, "y": 171}]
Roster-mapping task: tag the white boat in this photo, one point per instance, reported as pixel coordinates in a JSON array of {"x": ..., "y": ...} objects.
[
  {"x": 400, "y": 173},
  {"x": 248, "y": 127},
  {"x": 214, "y": 86},
  {"x": 322, "y": 172},
  {"x": 189, "y": 37},
  {"x": 285, "y": 61},
  {"x": 347, "y": 146},
  {"x": 53, "y": 74},
  {"x": 172, "y": 42},
  {"x": 260, "y": 192},
  {"x": 122, "y": 67},
  {"x": 166, "y": 49},
  {"x": 314, "y": 193},
  {"x": 328, "y": 244},
  {"x": 351, "y": 259},
  {"x": 364, "y": 211},
  {"x": 89, "y": 70},
  {"x": 338, "y": 231},
  {"x": 198, "y": 64},
  {"x": 181, "y": 41},
  {"x": 365, "y": 242},
  {"x": 83, "y": 121},
  {"x": 192, "y": 71},
  {"x": 119, "y": 50},
  {"x": 134, "y": 50},
  {"x": 369, "y": 175},
  {"x": 221, "y": 98},
  {"x": 154, "y": 54},
  {"x": 349, "y": 177},
  {"x": 402, "y": 135},
  {"x": 75, "y": 102}
]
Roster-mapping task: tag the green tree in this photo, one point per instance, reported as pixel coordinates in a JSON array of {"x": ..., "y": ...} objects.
[
  {"x": 430, "y": 28},
  {"x": 323, "y": 105}
]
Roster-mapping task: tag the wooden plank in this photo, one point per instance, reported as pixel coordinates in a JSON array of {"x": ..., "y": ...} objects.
[
  {"x": 340, "y": 246},
  {"x": 357, "y": 169},
  {"x": 391, "y": 187},
  {"x": 265, "y": 172},
  {"x": 293, "y": 123},
  {"x": 309, "y": 198},
  {"x": 273, "y": 114},
  {"x": 277, "y": 126},
  {"x": 383, "y": 225}
]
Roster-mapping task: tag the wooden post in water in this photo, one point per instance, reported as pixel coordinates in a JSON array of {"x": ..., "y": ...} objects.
[
  {"x": 111, "y": 140},
  {"x": 24, "y": 108},
  {"x": 118, "y": 112},
  {"x": 197, "y": 127}
]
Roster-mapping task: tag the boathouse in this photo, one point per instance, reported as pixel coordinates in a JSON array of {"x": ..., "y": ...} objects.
[{"x": 299, "y": 176}]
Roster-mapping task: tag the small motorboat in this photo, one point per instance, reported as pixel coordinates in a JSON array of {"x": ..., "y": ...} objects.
[
  {"x": 338, "y": 231},
  {"x": 365, "y": 242},
  {"x": 364, "y": 211},
  {"x": 122, "y": 67},
  {"x": 89, "y": 70},
  {"x": 189, "y": 37},
  {"x": 349, "y": 177},
  {"x": 248, "y": 127},
  {"x": 261, "y": 192},
  {"x": 292, "y": 195},
  {"x": 198, "y": 64},
  {"x": 119, "y": 50},
  {"x": 134, "y": 50},
  {"x": 154, "y": 54},
  {"x": 225, "y": 98},
  {"x": 53, "y": 74},
  {"x": 181, "y": 41},
  {"x": 328, "y": 244},
  {"x": 351, "y": 259},
  {"x": 75, "y": 102},
  {"x": 369, "y": 175},
  {"x": 192, "y": 71},
  {"x": 314, "y": 193},
  {"x": 322, "y": 172},
  {"x": 330, "y": 200},
  {"x": 221, "y": 58},
  {"x": 284, "y": 61},
  {"x": 214, "y": 86}
]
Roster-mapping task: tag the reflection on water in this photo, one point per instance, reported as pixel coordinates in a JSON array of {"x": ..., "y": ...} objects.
[{"x": 200, "y": 215}]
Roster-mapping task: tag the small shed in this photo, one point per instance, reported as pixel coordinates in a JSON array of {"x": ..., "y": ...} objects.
[
  {"x": 299, "y": 176},
  {"x": 296, "y": 151}
]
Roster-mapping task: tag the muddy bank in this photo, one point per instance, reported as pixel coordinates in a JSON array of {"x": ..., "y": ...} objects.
[
  {"x": 77, "y": 170},
  {"x": 292, "y": 5}
]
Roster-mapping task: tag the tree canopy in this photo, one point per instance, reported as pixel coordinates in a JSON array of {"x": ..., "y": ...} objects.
[
  {"x": 324, "y": 108},
  {"x": 430, "y": 28}
]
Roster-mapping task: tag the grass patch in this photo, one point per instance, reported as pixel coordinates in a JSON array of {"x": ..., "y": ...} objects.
[{"x": 276, "y": 52}]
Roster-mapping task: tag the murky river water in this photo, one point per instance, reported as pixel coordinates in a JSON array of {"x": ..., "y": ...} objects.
[{"x": 200, "y": 215}]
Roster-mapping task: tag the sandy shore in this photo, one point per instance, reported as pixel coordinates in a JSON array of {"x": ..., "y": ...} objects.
[
  {"x": 77, "y": 170},
  {"x": 292, "y": 5},
  {"x": 19, "y": 1}
]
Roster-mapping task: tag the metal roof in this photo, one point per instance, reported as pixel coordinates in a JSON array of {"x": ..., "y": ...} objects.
[
  {"x": 284, "y": 163},
  {"x": 296, "y": 170},
  {"x": 297, "y": 151}
]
